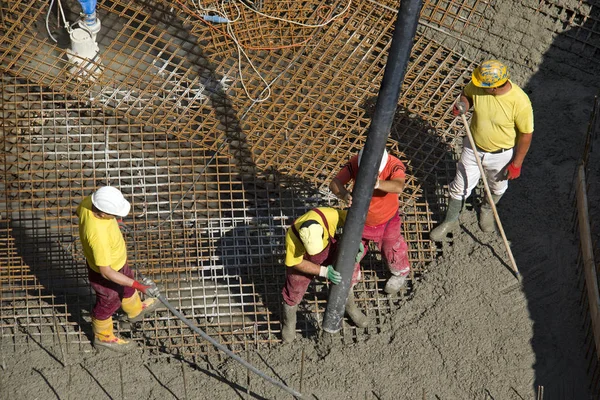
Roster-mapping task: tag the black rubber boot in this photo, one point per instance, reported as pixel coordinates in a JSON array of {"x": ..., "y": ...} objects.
[
  {"x": 486, "y": 215},
  {"x": 288, "y": 329},
  {"x": 357, "y": 316},
  {"x": 450, "y": 222}
]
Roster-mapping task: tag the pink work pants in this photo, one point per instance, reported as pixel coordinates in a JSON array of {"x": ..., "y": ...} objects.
[{"x": 389, "y": 240}]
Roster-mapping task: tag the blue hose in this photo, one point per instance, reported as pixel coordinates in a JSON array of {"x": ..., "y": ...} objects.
[{"x": 88, "y": 6}]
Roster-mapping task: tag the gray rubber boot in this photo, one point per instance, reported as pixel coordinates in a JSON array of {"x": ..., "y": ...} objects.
[
  {"x": 486, "y": 215},
  {"x": 395, "y": 283},
  {"x": 288, "y": 329},
  {"x": 450, "y": 222},
  {"x": 357, "y": 316}
]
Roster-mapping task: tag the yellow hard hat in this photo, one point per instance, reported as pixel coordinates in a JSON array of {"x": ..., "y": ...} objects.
[{"x": 490, "y": 74}]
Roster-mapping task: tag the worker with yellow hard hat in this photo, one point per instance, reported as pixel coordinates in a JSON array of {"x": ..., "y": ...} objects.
[{"x": 502, "y": 128}]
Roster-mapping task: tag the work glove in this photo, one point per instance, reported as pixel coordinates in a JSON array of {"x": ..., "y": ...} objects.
[
  {"x": 152, "y": 290},
  {"x": 331, "y": 274},
  {"x": 459, "y": 108},
  {"x": 361, "y": 252},
  {"x": 512, "y": 171},
  {"x": 140, "y": 287}
]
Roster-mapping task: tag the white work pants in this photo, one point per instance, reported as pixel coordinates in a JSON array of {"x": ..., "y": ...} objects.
[{"x": 467, "y": 172}]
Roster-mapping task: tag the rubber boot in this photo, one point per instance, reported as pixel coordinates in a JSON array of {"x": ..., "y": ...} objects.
[
  {"x": 450, "y": 222},
  {"x": 104, "y": 338},
  {"x": 288, "y": 330},
  {"x": 136, "y": 309},
  {"x": 357, "y": 316},
  {"x": 486, "y": 214},
  {"x": 395, "y": 283}
]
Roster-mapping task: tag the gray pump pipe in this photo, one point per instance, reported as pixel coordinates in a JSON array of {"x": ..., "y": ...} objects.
[
  {"x": 153, "y": 291},
  {"x": 402, "y": 41}
]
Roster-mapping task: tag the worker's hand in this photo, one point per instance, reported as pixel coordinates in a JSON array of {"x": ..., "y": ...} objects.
[
  {"x": 331, "y": 274},
  {"x": 152, "y": 290},
  {"x": 512, "y": 171},
  {"x": 459, "y": 108},
  {"x": 139, "y": 287},
  {"x": 361, "y": 252},
  {"x": 377, "y": 184},
  {"x": 348, "y": 198}
]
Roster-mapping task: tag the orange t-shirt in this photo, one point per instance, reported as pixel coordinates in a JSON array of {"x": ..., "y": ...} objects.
[{"x": 383, "y": 205}]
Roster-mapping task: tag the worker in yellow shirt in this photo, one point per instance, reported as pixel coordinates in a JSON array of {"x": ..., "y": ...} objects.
[
  {"x": 110, "y": 276},
  {"x": 502, "y": 129},
  {"x": 310, "y": 251}
]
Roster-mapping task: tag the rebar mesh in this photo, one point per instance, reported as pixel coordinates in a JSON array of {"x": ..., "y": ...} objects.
[
  {"x": 214, "y": 177},
  {"x": 580, "y": 22}
]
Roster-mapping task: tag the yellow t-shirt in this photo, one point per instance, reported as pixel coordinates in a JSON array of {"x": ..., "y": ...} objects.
[
  {"x": 102, "y": 241},
  {"x": 498, "y": 119},
  {"x": 294, "y": 249}
]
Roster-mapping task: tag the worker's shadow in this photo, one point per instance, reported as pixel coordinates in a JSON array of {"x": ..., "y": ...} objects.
[
  {"x": 252, "y": 257},
  {"x": 58, "y": 280},
  {"x": 239, "y": 256}
]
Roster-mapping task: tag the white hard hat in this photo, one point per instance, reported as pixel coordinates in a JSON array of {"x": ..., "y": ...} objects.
[
  {"x": 384, "y": 159},
  {"x": 110, "y": 200},
  {"x": 311, "y": 235}
]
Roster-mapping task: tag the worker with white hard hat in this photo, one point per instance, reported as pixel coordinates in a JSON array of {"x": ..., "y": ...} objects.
[
  {"x": 310, "y": 250},
  {"x": 502, "y": 128},
  {"x": 110, "y": 276},
  {"x": 383, "y": 224}
]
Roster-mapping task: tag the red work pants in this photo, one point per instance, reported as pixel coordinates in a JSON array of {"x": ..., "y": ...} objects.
[{"x": 108, "y": 294}]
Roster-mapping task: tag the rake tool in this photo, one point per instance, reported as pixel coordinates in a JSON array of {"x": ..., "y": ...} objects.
[{"x": 488, "y": 193}]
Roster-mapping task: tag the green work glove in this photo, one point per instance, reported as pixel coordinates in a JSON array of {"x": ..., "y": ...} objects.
[
  {"x": 361, "y": 252},
  {"x": 331, "y": 274}
]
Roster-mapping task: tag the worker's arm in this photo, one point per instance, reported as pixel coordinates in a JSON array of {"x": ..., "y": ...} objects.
[
  {"x": 395, "y": 185},
  {"x": 120, "y": 279},
  {"x": 115, "y": 276},
  {"x": 521, "y": 149},
  {"x": 311, "y": 268},
  {"x": 308, "y": 267},
  {"x": 467, "y": 101},
  {"x": 513, "y": 168},
  {"x": 340, "y": 191}
]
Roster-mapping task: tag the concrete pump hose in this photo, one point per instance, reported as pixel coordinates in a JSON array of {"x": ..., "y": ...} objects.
[{"x": 226, "y": 350}]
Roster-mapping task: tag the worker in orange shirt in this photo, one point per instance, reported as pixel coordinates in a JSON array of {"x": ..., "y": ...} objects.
[{"x": 383, "y": 223}]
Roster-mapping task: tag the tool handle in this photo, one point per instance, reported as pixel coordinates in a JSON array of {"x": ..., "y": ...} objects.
[
  {"x": 489, "y": 197},
  {"x": 227, "y": 351}
]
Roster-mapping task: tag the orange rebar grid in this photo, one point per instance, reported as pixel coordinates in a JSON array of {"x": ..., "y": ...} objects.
[{"x": 214, "y": 177}]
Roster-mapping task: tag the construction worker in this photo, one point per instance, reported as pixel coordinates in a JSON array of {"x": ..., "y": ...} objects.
[
  {"x": 502, "y": 128},
  {"x": 383, "y": 224},
  {"x": 110, "y": 276},
  {"x": 310, "y": 250}
]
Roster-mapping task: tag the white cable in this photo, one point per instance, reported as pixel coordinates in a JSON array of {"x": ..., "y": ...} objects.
[
  {"x": 223, "y": 13},
  {"x": 296, "y": 22},
  {"x": 48, "y": 23},
  {"x": 240, "y": 52}
]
